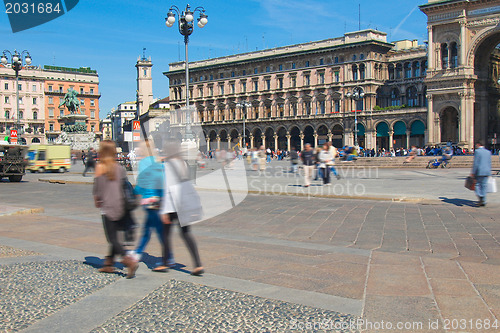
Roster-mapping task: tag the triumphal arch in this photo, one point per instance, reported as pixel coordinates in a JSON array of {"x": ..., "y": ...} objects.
[{"x": 463, "y": 82}]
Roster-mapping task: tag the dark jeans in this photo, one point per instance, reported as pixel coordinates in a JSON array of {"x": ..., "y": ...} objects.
[
  {"x": 153, "y": 222},
  {"x": 186, "y": 236},
  {"x": 326, "y": 175},
  {"x": 111, "y": 231},
  {"x": 87, "y": 167}
]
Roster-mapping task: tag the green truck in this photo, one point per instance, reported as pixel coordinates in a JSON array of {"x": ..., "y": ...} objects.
[{"x": 13, "y": 161}]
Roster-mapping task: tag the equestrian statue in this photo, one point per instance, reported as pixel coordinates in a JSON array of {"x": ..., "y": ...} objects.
[{"x": 71, "y": 101}]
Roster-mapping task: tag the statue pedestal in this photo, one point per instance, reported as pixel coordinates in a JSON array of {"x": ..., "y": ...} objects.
[
  {"x": 77, "y": 137},
  {"x": 74, "y": 119}
]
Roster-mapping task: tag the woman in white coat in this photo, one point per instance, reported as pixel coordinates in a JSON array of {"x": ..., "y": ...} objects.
[{"x": 176, "y": 171}]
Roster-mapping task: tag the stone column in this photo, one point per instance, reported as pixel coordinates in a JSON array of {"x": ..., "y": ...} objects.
[
  {"x": 263, "y": 137},
  {"x": 430, "y": 121},
  {"x": 408, "y": 133},
  {"x": 251, "y": 137},
  {"x": 218, "y": 141},
  {"x": 208, "y": 143},
  {"x": 463, "y": 44},
  {"x": 275, "y": 142},
  {"x": 330, "y": 136},
  {"x": 430, "y": 62},
  {"x": 229, "y": 141},
  {"x": 240, "y": 141},
  {"x": 469, "y": 106},
  {"x": 301, "y": 136},
  {"x": 288, "y": 138},
  {"x": 391, "y": 139},
  {"x": 315, "y": 139}
]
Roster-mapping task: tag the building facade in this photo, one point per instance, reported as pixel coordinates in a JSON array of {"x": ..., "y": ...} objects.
[
  {"x": 463, "y": 78},
  {"x": 298, "y": 94},
  {"x": 124, "y": 113},
  {"x": 446, "y": 91},
  {"x": 57, "y": 82},
  {"x": 31, "y": 104}
]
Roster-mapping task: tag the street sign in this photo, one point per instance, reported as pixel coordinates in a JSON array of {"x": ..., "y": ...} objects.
[
  {"x": 136, "y": 125},
  {"x": 13, "y": 136},
  {"x": 136, "y": 131}
]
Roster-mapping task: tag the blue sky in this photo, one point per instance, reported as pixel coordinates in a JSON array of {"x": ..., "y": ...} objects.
[{"x": 108, "y": 35}]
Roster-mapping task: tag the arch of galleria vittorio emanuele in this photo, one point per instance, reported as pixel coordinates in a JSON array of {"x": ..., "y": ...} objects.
[{"x": 445, "y": 91}]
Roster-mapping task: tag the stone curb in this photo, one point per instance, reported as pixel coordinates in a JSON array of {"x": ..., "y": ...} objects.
[
  {"x": 25, "y": 211},
  {"x": 59, "y": 181}
]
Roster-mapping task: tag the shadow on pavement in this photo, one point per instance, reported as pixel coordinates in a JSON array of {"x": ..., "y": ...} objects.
[
  {"x": 458, "y": 202},
  {"x": 152, "y": 262},
  {"x": 97, "y": 263}
]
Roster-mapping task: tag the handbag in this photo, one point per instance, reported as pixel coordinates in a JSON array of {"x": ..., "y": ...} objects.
[
  {"x": 492, "y": 185},
  {"x": 470, "y": 183},
  {"x": 186, "y": 200},
  {"x": 129, "y": 197}
]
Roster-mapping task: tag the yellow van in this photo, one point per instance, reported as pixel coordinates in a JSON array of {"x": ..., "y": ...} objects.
[{"x": 49, "y": 157}]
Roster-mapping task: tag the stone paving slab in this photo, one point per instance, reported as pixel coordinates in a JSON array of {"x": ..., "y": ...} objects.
[
  {"x": 187, "y": 307},
  {"x": 368, "y": 182}
]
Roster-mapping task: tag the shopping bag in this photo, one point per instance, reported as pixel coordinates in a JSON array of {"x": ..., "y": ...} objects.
[
  {"x": 470, "y": 183},
  {"x": 492, "y": 185}
]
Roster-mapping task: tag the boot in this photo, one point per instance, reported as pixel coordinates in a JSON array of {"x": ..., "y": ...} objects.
[
  {"x": 108, "y": 266},
  {"x": 131, "y": 265}
]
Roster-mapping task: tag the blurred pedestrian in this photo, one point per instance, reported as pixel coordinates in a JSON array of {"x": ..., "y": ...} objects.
[
  {"x": 109, "y": 198},
  {"x": 262, "y": 158},
  {"x": 294, "y": 159},
  {"x": 90, "y": 161},
  {"x": 325, "y": 157},
  {"x": 334, "y": 152},
  {"x": 176, "y": 171},
  {"x": 307, "y": 157},
  {"x": 481, "y": 170},
  {"x": 150, "y": 187}
]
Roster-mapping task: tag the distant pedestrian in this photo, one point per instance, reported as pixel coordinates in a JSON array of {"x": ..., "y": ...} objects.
[
  {"x": 481, "y": 170},
  {"x": 334, "y": 152},
  {"x": 269, "y": 155},
  {"x": 90, "y": 161},
  {"x": 325, "y": 157},
  {"x": 294, "y": 159},
  {"x": 413, "y": 153},
  {"x": 262, "y": 158},
  {"x": 83, "y": 157},
  {"x": 307, "y": 157},
  {"x": 108, "y": 197}
]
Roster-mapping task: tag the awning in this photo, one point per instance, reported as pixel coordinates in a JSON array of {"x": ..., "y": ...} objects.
[
  {"x": 417, "y": 128},
  {"x": 382, "y": 130}
]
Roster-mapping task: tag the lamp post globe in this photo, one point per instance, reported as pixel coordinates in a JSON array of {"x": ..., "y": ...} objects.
[{"x": 17, "y": 64}]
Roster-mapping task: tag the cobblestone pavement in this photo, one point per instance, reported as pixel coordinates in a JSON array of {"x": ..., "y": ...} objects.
[
  {"x": 33, "y": 291},
  {"x": 181, "y": 306},
  {"x": 7, "y": 252}
]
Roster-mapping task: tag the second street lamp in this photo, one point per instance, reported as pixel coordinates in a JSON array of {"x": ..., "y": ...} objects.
[
  {"x": 17, "y": 65},
  {"x": 186, "y": 26},
  {"x": 244, "y": 106},
  {"x": 357, "y": 94}
]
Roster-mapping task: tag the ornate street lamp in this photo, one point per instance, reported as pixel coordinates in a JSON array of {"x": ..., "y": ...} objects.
[
  {"x": 186, "y": 26},
  {"x": 244, "y": 105},
  {"x": 356, "y": 95},
  {"x": 16, "y": 61}
]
